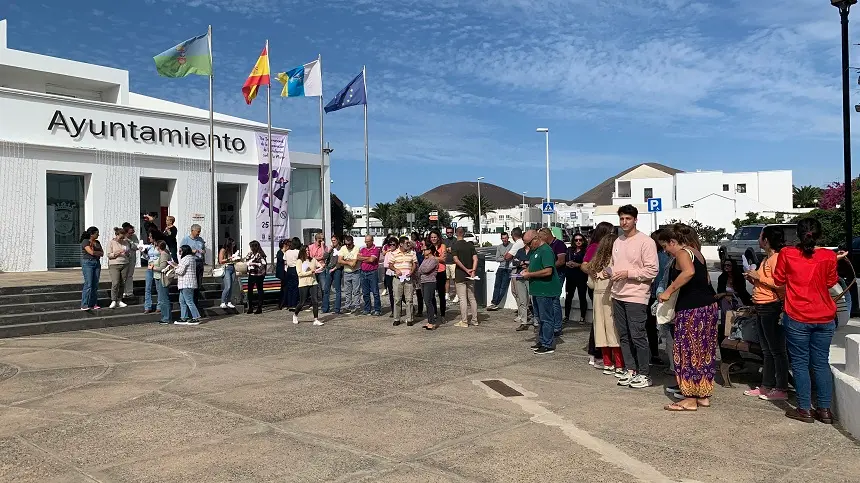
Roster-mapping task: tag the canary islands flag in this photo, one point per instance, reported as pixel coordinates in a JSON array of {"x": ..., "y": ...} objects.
[
  {"x": 259, "y": 76},
  {"x": 305, "y": 80},
  {"x": 190, "y": 57}
]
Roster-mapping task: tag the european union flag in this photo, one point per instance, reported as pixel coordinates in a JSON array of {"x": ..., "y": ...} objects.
[{"x": 353, "y": 94}]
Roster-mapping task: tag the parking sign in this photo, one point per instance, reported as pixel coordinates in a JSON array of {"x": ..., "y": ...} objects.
[{"x": 654, "y": 205}]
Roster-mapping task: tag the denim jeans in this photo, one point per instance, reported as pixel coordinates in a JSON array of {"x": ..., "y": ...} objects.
[
  {"x": 351, "y": 290},
  {"x": 331, "y": 279},
  {"x": 544, "y": 312},
  {"x": 147, "y": 293},
  {"x": 370, "y": 286},
  {"x": 164, "y": 305},
  {"x": 809, "y": 348},
  {"x": 229, "y": 276},
  {"x": 500, "y": 288},
  {"x": 186, "y": 303},
  {"x": 556, "y": 314},
  {"x": 91, "y": 269}
]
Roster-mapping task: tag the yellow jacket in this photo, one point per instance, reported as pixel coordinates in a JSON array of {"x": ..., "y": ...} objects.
[{"x": 307, "y": 277}]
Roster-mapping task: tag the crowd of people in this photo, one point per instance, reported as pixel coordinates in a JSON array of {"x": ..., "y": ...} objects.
[{"x": 647, "y": 293}]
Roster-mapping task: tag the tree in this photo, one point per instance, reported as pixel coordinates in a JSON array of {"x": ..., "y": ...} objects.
[
  {"x": 421, "y": 207},
  {"x": 806, "y": 196},
  {"x": 469, "y": 207},
  {"x": 348, "y": 220},
  {"x": 382, "y": 212},
  {"x": 709, "y": 235},
  {"x": 754, "y": 219},
  {"x": 834, "y": 194}
]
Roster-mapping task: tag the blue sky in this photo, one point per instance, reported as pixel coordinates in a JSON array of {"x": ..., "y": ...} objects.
[{"x": 457, "y": 88}]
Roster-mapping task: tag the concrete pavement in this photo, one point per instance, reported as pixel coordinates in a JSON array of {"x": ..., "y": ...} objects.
[{"x": 255, "y": 398}]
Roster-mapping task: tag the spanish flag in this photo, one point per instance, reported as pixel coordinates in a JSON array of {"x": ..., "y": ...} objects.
[{"x": 259, "y": 76}]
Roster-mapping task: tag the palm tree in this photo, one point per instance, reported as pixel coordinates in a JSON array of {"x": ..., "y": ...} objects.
[
  {"x": 382, "y": 212},
  {"x": 806, "y": 196},
  {"x": 469, "y": 208}
]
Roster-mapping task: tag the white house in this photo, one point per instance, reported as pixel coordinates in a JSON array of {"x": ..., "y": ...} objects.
[
  {"x": 714, "y": 198},
  {"x": 78, "y": 148}
]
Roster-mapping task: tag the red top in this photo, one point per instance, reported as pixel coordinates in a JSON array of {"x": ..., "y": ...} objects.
[
  {"x": 807, "y": 282},
  {"x": 590, "y": 252}
]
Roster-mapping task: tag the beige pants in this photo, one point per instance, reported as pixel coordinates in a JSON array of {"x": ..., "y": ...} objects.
[
  {"x": 466, "y": 294},
  {"x": 400, "y": 289},
  {"x": 605, "y": 334}
]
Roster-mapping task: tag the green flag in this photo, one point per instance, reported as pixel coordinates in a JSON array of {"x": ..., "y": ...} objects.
[{"x": 189, "y": 57}]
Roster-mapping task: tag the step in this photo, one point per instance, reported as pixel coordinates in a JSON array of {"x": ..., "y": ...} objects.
[
  {"x": 57, "y": 296},
  {"x": 76, "y": 314},
  {"x": 37, "y": 328},
  {"x": 75, "y": 304},
  {"x": 139, "y": 281}
]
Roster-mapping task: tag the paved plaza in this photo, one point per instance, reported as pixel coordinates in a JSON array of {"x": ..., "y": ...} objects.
[{"x": 255, "y": 398}]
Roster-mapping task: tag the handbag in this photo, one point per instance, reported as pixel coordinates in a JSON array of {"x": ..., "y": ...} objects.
[
  {"x": 168, "y": 275},
  {"x": 666, "y": 310},
  {"x": 241, "y": 268},
  {"x": 218, "y": 272},
  {"x": 590, "y": 283}
]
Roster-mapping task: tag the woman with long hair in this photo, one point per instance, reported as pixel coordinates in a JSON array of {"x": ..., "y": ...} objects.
[
  {"x": 732, "y": 290},
  {"x": 158, "y": 265},
  {"x": 696, "y": 319},
  {"x": 767, "y": 297},
  {"x": 603, "y": 229},
  {"x": 307, "y": 269},
  {"x": 150, "y": 251},
  {"x": 291, "y": 258},
  {"x": 227, "y": 258},
  {"x": 427, "y": 272},
  {"x": 441, "y": 275},
  {"x": 186, "y": 273},
  {"x": 388, "y": 282},
  {"x": 809, "y": 321},
  {"x": 256, "y": 260},
  {"x": 281, "y": 271},
  {"x": 118, "y": 265},
  {"x": 576, "y": 279},
  {"x": 91, "y": 268},
  {"x": 605, "y": 333}
]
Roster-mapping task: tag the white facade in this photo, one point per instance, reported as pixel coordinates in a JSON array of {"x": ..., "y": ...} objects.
[
  {"x": 78, "y": 149},
  {"x": 714, "y": 198}
]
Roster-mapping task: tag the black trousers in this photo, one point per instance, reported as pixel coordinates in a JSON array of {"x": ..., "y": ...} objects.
[
  {"x": 255, "y": 282},
  {"x": 198, "y": 292},
  {"x": 441, "y": 278},
  {"x": 388, "y": 282},
  {"x": 576, "y": 284},
  {"x": 306, "y": 293},
  {"x": 630, "y": 321}
]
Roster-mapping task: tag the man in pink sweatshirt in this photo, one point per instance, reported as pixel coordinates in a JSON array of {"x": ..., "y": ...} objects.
[{"x": 634, "y": 266}]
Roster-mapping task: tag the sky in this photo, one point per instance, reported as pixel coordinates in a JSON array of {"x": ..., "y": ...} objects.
[{"x": 456, "y": 88}]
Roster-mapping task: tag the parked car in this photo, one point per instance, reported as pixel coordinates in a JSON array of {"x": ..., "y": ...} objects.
[{"x": 744, "y": 243}]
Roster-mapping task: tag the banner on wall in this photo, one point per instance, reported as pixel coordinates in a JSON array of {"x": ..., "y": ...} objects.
[{"x": 280, "y": 181}]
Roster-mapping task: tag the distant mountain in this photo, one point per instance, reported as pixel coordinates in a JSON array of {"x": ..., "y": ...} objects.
[{"x": 449, "y": 195}]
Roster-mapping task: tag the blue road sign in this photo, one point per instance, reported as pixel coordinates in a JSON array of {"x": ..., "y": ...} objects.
[
  {"x": 454, "y": 224},
  {"x": 654, "y": 204},
  {"x": 548, "y": 208}
]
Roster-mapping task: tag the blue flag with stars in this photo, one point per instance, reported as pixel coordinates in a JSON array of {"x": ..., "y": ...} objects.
[{"x": 351, "y": 95}]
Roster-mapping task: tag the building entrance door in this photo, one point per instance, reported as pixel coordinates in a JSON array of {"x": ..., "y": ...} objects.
[
  {"x": 65, "y": 206},
  {"x": 229, "y": 213}
]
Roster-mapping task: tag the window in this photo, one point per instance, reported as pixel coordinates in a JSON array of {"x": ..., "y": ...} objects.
[
  {"x": 742, "y": 188},
  {"x": 623, "y": 189},
  {"x": 725, "y": 187},
  {"x": 649, "y": 193},
  {"x": 304, "y": 201},
  {"x": 75, "y": 93}
]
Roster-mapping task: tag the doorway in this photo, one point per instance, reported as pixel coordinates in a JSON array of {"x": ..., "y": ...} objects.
[
  {"x": 229, "y": 213},
  {"x": 155, "y": 197},
  {"x": 65, "y": 216}
]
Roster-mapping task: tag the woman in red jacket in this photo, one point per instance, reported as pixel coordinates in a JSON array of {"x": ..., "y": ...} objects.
[{"x": 808, "y": 273}]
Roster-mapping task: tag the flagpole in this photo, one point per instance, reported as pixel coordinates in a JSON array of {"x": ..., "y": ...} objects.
[
  {"x": 213, "y": 211},
  {"x": 322, "y": 156},
  {"x": 366, "y": 159},
  {"x": 271, "y": 161}
]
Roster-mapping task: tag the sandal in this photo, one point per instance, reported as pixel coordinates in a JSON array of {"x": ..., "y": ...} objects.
[
  {"x": 675, "y": 407},
  {"x": 700, "y": 404},
  {"x": 430, "y": 327}
]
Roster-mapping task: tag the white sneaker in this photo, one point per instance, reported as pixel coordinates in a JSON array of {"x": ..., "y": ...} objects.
[
  {"x": 639, "y": 381},
  {"x": 609, "y": 370},
  {"x": 230, "y": 305},
  {"x": 318, "y": 322},
  {"x": 223, "y": 306},
  {"x": 598, "y": 364},
  {"x": 626, "y": 378},
  {"x": 121, "y": 305},
  {"x": 112, "y": 305},
  {"x": 295, "y": 319},
  {"x": 591, "y": 360},
  {"x": 455, "y": 300}
]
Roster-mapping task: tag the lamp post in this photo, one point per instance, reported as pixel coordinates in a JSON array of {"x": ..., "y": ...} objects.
[
  {"x": 844, "y": 6},
  {"x": 523, "y": 218},
  {"x": 479, "y": 206},
  {"x": 545, "y": 130}
]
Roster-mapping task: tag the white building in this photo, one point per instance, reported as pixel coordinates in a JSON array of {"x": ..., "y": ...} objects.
[
  {"x": 79, "y": 149},
  {"x": 713, "y": 198},
  {"x": 360, "y": 226}
]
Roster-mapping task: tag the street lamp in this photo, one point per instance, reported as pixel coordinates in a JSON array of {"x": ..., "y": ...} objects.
[
  {"x": 545, "y": 130},
  {"x": 844, "y": 6},
  {"x": 523, "y": 218},
  {"x": 479, "y": 205}
]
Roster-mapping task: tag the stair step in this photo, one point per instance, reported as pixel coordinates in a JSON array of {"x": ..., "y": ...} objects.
[
  {"x": 66, "y": 295},
  {"x": 75, "y": 304},
  {"x": 36, "y": 328},
  {"x": 140, "y": 282},
  {"x": 77, "y": 314}
]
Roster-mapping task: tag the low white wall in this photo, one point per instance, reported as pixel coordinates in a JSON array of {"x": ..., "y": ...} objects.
[{"x": 845, "y": 366}]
